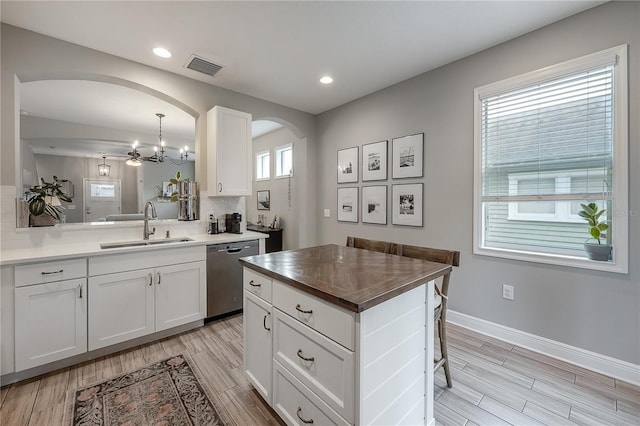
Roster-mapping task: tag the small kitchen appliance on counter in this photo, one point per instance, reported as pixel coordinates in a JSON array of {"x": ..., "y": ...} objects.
[
  {"x": 188, "y": 200},
  {"x": 233, "y": 222}
]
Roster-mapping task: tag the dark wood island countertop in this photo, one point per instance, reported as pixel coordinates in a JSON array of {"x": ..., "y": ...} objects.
[{"x": 353, "y": 278}]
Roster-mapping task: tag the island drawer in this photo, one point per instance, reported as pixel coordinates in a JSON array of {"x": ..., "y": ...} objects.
[
  {"x": 47, "y": 272},
  {"x": 297, "y": 405},
  {"x": 258, "y": 284},
  {"x": 333, "y": 321},
  {"x": 324, "y": 366}
]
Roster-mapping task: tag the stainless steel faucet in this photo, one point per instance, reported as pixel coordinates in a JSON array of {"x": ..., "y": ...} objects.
[{"x": 145, "y": 231}]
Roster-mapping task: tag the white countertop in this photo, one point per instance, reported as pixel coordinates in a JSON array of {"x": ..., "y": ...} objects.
[{"x": 92, "y": 248}]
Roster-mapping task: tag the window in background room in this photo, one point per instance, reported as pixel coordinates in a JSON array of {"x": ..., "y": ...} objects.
[
  {"x": 284, "y": 161},
  {"x": 545, "y": 142},
  {"x": 263, "y": 165}
]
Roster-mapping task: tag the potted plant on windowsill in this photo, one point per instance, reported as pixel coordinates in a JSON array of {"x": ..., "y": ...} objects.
[
  {"x": 591, "y": 213},
  {"x": 45, "y": 207}
]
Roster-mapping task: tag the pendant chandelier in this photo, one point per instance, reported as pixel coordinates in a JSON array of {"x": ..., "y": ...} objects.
[
  {"x": 104, "y": 169},
  {"x": 159, "y": 156}
]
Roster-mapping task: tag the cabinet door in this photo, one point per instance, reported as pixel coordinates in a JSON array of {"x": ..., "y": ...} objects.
[
  {"x": 181, "y": 294},
  {"x": 50, "y": 322},
  {"x": 229, "y": 153},
  {"x": 121, "y": 307},
  {"x": 257, "y": 325}
]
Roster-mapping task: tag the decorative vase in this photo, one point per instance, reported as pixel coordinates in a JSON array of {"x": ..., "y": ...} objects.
[
  {"x": 601, "y": 252},
  {"x": 43, "y": 219}
]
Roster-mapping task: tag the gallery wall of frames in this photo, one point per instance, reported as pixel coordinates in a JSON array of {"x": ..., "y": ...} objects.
[{"x": 404, "y": 159}]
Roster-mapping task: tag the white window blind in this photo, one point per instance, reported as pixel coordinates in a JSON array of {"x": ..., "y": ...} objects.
[{"x": 557, "y": 125}]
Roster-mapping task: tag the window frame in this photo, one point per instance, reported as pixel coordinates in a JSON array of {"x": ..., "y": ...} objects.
[
  {"x": 278, "y": 161},
  {"x": 258, "y": 156},
  {"x": 620, "y": 226}
]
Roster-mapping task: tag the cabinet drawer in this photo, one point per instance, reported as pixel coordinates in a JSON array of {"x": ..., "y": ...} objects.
[
  {"x": 46, "y": 272},
  {"x": 258, "y": 284},
  {"x": 107, "y": 264},
  {"x": 322, "y": 365},
  {"x": 332, "y": 321},
  {"x": 297, "y": 405}
]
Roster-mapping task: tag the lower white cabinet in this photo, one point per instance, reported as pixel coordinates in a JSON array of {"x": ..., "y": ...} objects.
[
  {"x": 258, "y": 324},
  {"x": 50, "y": 322},
  {"x": 127, "y": 305},
  {"x": 121, "y": 307}
]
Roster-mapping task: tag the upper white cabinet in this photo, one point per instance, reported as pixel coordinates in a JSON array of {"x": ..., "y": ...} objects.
[{"x": 229, "y": 171}]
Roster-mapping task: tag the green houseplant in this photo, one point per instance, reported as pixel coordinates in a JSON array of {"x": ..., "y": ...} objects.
[
  {"x": 44, "y": 202},
  {"x": 591, "y": 213}
]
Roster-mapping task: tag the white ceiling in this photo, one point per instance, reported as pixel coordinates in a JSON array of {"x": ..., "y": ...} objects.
[{"x": 277, "y": 51}]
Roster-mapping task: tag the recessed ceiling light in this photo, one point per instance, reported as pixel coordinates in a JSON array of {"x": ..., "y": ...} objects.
[
  {"x": 326, "y": 80},
  {"x": 162, "y": 52}
]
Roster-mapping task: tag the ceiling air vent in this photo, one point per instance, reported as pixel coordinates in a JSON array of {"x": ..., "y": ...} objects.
[{"x": 198, "y": 64}]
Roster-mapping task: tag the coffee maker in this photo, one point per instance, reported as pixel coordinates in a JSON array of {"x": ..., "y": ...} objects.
[{"x": 232, "y": 223}]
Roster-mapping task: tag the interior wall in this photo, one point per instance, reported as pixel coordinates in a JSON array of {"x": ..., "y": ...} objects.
[
  {"x": 27, "y": 56},
  {"x": 596, "y": 311},
  {"x": 287, "y": 212}
]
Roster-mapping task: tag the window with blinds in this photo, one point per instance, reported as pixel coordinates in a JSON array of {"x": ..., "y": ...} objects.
[{"x": 545, "y": 143}]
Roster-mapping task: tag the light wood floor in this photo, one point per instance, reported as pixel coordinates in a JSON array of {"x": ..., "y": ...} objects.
[{"x": 494, "y": 383}]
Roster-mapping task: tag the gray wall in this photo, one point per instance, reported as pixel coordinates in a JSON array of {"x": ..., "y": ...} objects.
[
  {"x": 596, "y": 311},
  {"x": 288, "y": 213},
  {"x": 28, "y": 56}
]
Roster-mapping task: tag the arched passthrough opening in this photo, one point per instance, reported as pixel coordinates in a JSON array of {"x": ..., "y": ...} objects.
[{"x": 287, "y": 194}]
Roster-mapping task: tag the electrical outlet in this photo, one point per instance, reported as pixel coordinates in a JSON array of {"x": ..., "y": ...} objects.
[
  {"x": 507, "y": 292},
  {"x": 327, "y": 213}
]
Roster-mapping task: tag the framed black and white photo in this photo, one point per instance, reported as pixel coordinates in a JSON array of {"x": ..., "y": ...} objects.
[
  {"x": 374, "y": 204},
  {"x": 347, "y": 204},
  {"x": 348, "y": 165},
  {"x": 264, "y": 200},
  {"x": 374, "y": 161},
  {"x": 407, "y": 204},
  {"x": 407, "y": 156}
]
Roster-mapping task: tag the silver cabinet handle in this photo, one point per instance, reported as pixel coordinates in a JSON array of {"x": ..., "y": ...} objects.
[
  {"x": 150, "y": 279},
  {"x": 158, "y": 278},
  {"x": 299, "y": 309},
  {"x": 254, "y": 285},
  {"x": 304, "y": 358},
  {"x": 52, "y": 272},
  {"x": 264, "y": 322},
  {"x": 310, "y": 421},
  {"x": 80, "y": 289}
]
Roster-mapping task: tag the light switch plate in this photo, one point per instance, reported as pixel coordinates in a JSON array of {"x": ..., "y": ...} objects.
[{"x": 327, "y": 213}]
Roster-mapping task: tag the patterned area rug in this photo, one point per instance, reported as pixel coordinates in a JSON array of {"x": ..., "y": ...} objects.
[{"x": 161, "y": 394}]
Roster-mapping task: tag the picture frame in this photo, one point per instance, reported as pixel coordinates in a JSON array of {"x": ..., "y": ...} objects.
[
  {"x": 408, "y": 156},
  {"x": 374, "y": 161},
  {"x": 374, "y": 204},
  {"x": 264, "y": 200},
  {"x": 407, "y": 203},
  {"x": 167, "y": 189},
  {"x": 348, "y": 165},
  {"x": 347, "y": 207}
]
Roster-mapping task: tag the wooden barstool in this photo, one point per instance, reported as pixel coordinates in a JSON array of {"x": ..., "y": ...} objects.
[
  {"x": 449, "y": 257},
  {"x": 371, "y": 245}
]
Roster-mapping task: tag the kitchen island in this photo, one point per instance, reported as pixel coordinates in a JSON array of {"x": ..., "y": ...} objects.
[{"x": 339, "y": 335}]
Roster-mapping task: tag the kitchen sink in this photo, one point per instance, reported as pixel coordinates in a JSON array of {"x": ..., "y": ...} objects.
[{"x": 140, "y": 243}]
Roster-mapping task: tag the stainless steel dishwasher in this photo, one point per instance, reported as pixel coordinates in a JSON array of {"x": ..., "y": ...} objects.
[{"x": 224, "y": 276}]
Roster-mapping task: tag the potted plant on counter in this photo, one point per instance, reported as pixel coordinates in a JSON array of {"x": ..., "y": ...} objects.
[
  {"x": 591, "y": 213},
  {"x": 45, "y": 207}
]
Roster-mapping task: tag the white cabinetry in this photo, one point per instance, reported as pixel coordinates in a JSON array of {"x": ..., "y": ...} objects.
[
  {"x": 138, "y": 302},
  {"x": 258, "y": 324},
  {"x": 50, "y": 312},
  {"x": 229, "y": 171},
  {"x": 334, "y": 366}
]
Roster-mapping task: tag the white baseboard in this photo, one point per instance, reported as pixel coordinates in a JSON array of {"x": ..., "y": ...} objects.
[{"x": 603, "y": 364}]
